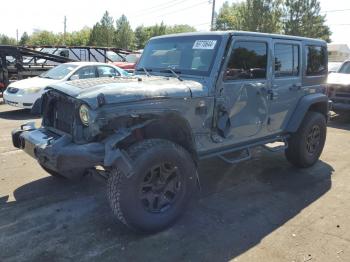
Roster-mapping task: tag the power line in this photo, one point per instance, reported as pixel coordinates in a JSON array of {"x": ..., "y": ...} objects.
[
  {"x": 339, "y": 25},
  {"x": 186, "y": 8},
  {"x": 175, "y": 4},
  {"x": 178, "y": 10},
  {"x": 336, "y": 10},
  {"x": 160, "y": 7}
]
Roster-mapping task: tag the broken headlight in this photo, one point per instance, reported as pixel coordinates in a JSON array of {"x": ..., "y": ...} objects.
[{"x": 84, "y": 114}]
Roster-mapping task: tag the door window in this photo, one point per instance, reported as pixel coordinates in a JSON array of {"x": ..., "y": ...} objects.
[
  {"x": 86, "y": 72},
  {"x": 286, "y": 60},
  {"x": 107, "y": 71},
  {"x": 248, "y": 60}
]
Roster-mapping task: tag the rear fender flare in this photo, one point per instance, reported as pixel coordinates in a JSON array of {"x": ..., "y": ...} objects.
[{"x": 317, "y": 101}]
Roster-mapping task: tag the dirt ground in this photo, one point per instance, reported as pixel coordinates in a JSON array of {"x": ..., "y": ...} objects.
[{"x": 261, "y": 210}]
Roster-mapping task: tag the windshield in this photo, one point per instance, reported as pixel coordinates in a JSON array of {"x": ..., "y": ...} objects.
[
  {"x": 114, "y": 57},
  {"x": 345, "y": 68},
  {"x": 333, "y": 66},
  {"x": 59, "y": 72},
  {"x": 192, "y": 55},
  {"x": 132, "y": 58}
]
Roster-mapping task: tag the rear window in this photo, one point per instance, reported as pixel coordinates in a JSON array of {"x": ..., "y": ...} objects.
[{"x": 316, "y": 60}]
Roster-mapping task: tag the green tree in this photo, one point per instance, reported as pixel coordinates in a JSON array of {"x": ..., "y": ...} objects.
[
  {"x": 24, "y": 39},
  {"x": 229, "y": 17},
  {"x": 142, "y": 34},
  {"x": 180, "y": 29},
  {"x": 5, "y": 40},
  {"x": 102, "y": 33},
  {"x": 79, "y": 38},
  {"x": 251, "y": 15},
  {"x": 303, "y": 18},
  {"x": 95, "y": 36},
  {"x": 124, "y": 35},
  {"x": 44, "y": 38},
  {"x": 157, "y": 30}
]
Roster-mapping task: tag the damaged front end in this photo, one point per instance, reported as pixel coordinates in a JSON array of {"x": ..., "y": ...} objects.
[{"x": 64, "y": 144}]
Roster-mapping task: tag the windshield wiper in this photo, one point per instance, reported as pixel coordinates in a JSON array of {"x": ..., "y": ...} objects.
[
  {"x": 144, "y": 69},
  {"x": 175, "y": 73}
]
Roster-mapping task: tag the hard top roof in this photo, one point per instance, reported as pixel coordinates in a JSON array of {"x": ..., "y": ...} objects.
[{"x": 245, "y": 33}]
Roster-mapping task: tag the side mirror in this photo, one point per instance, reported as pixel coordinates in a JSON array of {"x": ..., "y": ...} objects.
[{"x": 74, "y": 77}]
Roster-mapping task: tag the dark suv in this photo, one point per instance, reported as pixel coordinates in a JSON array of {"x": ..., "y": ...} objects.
[{"x": 194, "y": 96}]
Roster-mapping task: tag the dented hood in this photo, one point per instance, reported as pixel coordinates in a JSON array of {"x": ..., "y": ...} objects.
[{"x": 122, "y": 90}]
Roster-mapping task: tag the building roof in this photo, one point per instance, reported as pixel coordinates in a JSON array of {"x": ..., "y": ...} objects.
[{"x": 333, "y": 47}]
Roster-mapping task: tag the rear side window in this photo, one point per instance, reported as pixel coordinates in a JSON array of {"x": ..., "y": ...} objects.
[
  {"x": 316, "y": 60},
  {"x": 106, "y": 71},
  {"x": 248, "y": 60},
  {"x": 86, "y": 72},
  {"x": 286, "y": 60}
]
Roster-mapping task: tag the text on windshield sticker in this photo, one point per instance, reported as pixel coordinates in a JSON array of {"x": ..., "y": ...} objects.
[{"x": 204, "y": 44}]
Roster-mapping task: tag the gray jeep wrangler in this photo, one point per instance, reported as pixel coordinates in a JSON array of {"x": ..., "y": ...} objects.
[{"x": 194, "y": 96}]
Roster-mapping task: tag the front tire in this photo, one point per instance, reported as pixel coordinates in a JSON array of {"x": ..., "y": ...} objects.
[
  {"x": 159, "y": 189},
  {"x": 306, "y": 145}
]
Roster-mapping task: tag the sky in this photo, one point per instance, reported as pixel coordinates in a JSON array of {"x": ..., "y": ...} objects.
[{"x": 49, "y": 15}]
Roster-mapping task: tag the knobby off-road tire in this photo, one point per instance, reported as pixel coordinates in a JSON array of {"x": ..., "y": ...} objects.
[
  {"x": 306, "y": 145},
  {"x": 163, "y": 180}
]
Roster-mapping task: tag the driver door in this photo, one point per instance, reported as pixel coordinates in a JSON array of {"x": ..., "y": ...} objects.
[{"x": 242, "y": 104}]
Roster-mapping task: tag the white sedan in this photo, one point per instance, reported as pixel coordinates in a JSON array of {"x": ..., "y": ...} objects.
[{"x": 25, "y": 92}]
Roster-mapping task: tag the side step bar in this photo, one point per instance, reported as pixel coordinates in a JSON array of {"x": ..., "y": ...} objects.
[
  {"x": 247, "y": 149},
  {"x": 233, "y": 161},
  {"x": 277, "y": 148}
]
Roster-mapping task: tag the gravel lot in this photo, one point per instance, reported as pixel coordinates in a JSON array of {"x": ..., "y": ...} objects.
[{"x": 261, "y": 210}]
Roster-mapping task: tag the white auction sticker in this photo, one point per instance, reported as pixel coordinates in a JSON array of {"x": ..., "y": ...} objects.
[{"x": 204, "y": 44}]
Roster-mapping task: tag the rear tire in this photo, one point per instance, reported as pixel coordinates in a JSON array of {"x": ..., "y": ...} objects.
[
  {"x": 156, "y": 194},
  {"x": 306, "y": 145}
]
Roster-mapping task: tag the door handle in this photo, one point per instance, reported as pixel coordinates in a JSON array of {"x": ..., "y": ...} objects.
[
  {"x": 272, "y": 94},
  {"x": 295, "y": 87}
]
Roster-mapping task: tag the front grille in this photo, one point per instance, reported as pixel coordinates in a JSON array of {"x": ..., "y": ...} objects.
[
  {"x": 12, "y": 90},
  {"x": 59, "y": 112},
  {"x": 63, "y": 116}
]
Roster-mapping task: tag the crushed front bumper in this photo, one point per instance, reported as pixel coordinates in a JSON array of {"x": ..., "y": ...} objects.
[{"x": 60, "y": 154}]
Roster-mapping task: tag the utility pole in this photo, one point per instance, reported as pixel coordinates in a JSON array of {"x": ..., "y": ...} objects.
[
  {"x": 64, "y": 29},
  {"x": 17, "y": 35},
  {"x": 212, "y": 16}
]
